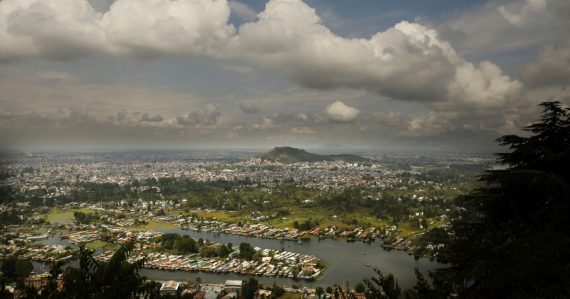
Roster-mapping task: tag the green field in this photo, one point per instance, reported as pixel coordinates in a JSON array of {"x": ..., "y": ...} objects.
[
  {"x": 230, "y": 217},
  {"x": 288, "y": 295},
  {"x": 64, "y": 216},
  {"x": 153, "y": 225}
]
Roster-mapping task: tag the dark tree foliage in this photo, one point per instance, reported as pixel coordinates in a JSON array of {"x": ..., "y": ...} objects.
[
  {"x": 179, "y": 244},
  {"x": 360, "y": 288},
  {"x": 511, "y": 235},
  {"x": 249, "y": 288},
  {"x": 116, "y": 278},
  {"x": 382, "y": 286},
  {"x": 16, "y": 269},
  {"x": 246, "y": 251},
  {"x": 277, "y": 291}
]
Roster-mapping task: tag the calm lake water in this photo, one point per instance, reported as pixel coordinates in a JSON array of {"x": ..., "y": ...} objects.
[{"x": 345, "y": 261}]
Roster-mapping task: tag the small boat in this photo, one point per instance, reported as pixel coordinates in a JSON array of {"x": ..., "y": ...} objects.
[
  {"x": 367, "y": 265},
  {"x": 299, "y": 241}
]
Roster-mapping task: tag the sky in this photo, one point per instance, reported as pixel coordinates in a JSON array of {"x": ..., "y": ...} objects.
[{"x": 409, "y": 75}]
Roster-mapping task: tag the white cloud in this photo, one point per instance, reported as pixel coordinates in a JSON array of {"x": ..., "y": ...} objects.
[
  {"x": 166, "y": 26},
  {"x": 527, "y": 12},
  {"x": 482, "y": 87},
  {"x": 552, "y": 67},
  {"x": 499, "y": 26},
  {"x": 65, "y": 29},
  {"x": 266, "y": 124},
  {"x": 340, "y": 112},
  {"x": 407, "y": 62}
]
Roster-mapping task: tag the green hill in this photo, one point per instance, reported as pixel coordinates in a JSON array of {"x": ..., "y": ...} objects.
[{"x": 287, "y": 155}]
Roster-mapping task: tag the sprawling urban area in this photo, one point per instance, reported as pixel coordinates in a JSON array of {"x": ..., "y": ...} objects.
[{"x": 176, "y": 209}]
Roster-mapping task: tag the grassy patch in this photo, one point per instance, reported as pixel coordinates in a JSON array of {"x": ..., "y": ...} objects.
[
  {"x": 154, "y": 225},
  {"x": 407, "y": 229},
  {"x": 98, "y": 244},
  {"x": 230, "y": 217},
  {"x": 64, "y": 216},
  {"x": 95, "y": 244},
  {"x": 289, "y": 295}
]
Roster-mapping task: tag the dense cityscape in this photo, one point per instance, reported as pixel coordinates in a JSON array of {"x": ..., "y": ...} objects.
[{"x": 60, "y": 201}]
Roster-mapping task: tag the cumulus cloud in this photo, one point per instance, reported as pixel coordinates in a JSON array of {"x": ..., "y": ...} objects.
[
  {"x": 65, "y": 29},
  {"x": 340, "y": 112},
  {"x": 407, "y": 62},
  {"x": 206, "y": 116},
  {"x": 248, "y": 107},
  {"x": 266, "y": 124},
  {"x": 551, "y": 68},
  {"x": 498, "y": 26},
  {"x": 154, "y": 118},
  {"x": 530, "y": 8},
  {"x": 483, "y": 86}
]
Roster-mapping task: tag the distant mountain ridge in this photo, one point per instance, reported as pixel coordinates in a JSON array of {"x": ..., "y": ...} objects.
[{"x": 288, "y": 155}]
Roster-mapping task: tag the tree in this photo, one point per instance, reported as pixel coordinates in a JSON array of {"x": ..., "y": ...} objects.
[
  {"x": 246, "y": 251},
  {"x": 382, "y": 286},
  {"x": 116, "y": 278},
  {"x": 249, "y": 288},
  {"x": 17, "y": 269},
  {"x": 319, "y": 291},
  {"x": 23, "y": 268},
  {"x": 360, "y": 288},
  {"x": 277, "y": 291},
  {"x": 9, "y": 267},
  {"x": 511, "y": 234}
]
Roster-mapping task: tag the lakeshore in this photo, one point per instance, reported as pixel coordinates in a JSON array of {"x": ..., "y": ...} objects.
[{"x": 344, "y": 261}]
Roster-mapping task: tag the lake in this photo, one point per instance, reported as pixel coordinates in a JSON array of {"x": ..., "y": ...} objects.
[{"x": 345, "y": 261}]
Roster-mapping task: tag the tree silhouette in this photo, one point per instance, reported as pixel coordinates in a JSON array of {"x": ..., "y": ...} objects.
[
  {"x": 382, "y": 286},
  {"x": 511, "y": 235},
  {"x": 117, "y": 278}
]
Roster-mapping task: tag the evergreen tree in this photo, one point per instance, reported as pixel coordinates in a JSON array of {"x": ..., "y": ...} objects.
[
  {"x": 382, "y": 286},
  {"x": 117, "y": 278},
  {"x": 511, "y": 235}
]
